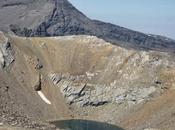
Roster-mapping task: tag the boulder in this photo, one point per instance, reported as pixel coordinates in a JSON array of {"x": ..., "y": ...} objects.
[{"x": 38, "y": 66}]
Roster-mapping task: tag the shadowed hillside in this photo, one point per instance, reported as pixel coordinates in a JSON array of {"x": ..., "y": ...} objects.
[{"x": 59, "y": 17}]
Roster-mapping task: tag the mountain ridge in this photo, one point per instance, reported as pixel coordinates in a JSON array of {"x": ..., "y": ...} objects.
[{"x": 60, "y": 17}]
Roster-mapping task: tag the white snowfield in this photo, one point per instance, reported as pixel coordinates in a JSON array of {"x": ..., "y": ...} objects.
[{"x": 43, "y": 97}]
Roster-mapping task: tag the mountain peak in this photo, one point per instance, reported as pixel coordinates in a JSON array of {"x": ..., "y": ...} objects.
[{"x": 60, "y": 17}]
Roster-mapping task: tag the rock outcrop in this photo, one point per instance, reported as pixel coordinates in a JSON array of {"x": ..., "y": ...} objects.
[
  {"x": 6, "y": 53},
  {"x": 128, "y": 86},
  {"x": 59, "y": 17},
  {"x": 37, "y": 87},
  {"x": 87, "y": 78},
  {"x": 96, "y": 95}
]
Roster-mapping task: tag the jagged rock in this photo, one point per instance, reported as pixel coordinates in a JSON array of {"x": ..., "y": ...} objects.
[
  {"x": 6, "y": 56},
  {"x": 70, "y": 77},
  {"x": 73, "y": 93},
  {"x": 60, "y": 17},
  {"x": 79, "y": 91},
  {"x": 95, "y": 95},
  {"x": 56, "y": 78},
  {"x": 2, "y": 61},
  {"x": 82, "y": 96},
  {"x": 93, "y": 103},
  {"x": 120, "y": 99},
  {"x": 135, "y": 95}
]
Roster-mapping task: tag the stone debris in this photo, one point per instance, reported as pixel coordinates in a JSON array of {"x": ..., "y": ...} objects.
[
  {"x": 56, "y": 78},
  {"x": 90, "y": 75},
  {"x": 96, "y": 95},
  {"x": 10, "y": 117},
  {"x": 135, "y": 95},
  {"x": 76, "y": 93},
  {"x": 73, "y": 93},
  {"x": 93, "y": 103}
]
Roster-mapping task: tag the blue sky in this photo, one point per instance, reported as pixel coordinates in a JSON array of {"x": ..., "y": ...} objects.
[{"x": 149, "y": 16}]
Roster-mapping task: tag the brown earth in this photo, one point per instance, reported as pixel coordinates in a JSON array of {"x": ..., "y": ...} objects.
[{"x": 22, "y": 106}]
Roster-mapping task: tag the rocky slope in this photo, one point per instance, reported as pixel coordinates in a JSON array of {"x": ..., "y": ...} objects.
[
  {"x": 83, "y": 77},
  {"x": 59, "y": 17}
]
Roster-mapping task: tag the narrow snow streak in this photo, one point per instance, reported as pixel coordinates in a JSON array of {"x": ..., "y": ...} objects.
[{"x": 43, "y": 97}]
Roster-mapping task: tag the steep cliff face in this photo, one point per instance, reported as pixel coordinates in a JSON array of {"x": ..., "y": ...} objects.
[
  {"x": 59, "y": 17},
  {"x": 85, "y": 77},
  {"x": 24, "y": 13}
]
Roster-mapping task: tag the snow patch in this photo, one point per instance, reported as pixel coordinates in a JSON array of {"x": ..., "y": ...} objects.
[{"x": 43, "y": 97}]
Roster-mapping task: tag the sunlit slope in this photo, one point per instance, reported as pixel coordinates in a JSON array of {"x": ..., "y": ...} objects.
[{"x": 119, "y": 79}]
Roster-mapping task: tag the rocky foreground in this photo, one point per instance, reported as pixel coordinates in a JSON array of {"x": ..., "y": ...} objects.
[{"x": 84, "y": 77}]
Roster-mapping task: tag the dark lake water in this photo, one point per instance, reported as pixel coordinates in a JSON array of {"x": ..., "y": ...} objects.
[{"x": 84, "y": 125}]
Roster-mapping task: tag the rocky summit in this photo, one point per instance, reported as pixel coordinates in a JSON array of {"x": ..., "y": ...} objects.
[{"x": 59, "y": 17}]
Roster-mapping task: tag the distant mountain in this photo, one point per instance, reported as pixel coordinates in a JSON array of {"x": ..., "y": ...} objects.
[{"x": 60, "y": 17}]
